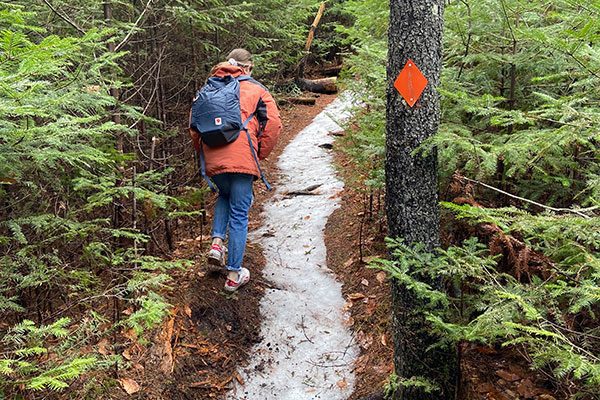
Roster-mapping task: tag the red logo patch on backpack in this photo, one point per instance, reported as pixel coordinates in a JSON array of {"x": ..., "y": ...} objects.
[{"x": 218, "y": 121}]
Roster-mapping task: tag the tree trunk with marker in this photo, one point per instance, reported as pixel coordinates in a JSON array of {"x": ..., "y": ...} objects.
[{"x": 412, "y": 193}]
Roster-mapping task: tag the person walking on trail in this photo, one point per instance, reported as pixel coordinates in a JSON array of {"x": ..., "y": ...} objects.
[{"x": 234, "y": 123}]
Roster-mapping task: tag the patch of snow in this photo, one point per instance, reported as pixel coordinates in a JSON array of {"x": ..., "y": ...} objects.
[{"x": 306, "y": 352}]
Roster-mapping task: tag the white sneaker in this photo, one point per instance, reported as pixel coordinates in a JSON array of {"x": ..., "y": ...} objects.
[
  {"x": 216, "y": 256},
  {"x": 242, "y": 278}
]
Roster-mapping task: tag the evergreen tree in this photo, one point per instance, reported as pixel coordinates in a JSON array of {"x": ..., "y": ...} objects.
[
  {"x": 95, "y": 168},
  {"x": 411, "y": 199},
  {"x": 519, "y": 114}
]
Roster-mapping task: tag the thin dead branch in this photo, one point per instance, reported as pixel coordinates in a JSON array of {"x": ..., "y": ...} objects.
[
  {"x": 64, "y": 17},
  {"x": 581, "y": 212}
]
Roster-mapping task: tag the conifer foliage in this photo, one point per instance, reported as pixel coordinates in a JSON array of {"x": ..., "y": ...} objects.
[
  {"x": 519, "y": 168},
  {"x": 96, "y": 171},
  {"x": 58, "y": 168}
]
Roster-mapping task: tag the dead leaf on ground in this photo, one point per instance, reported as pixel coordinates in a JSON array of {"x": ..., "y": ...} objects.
[
  {"x": 371, "y": 307},
  {"x": 138, "y": 366},
  {"x": 381, "y": 277},
  {"x": 130, "y": 334},
  {"x": 127, "y": 354},
  {"x": 484, "y": 387},
  {"x": 527, "y": 389},
  {"x": 349, "y": 262},
  {"x": 347, "y": 306},
  {"x": 356, "y": 296},
  {"x": 364, "y": 282},
  {"x": 342, "y": 384},
  {"x": 188, "y": 311},
  {"x": 364, "y": 340},
  {"x": 507, "y": 376},
  {"x": 362, "y": 363},
  {"x": 129, "y": 385},
  {"x": 103, "y": 347},
  {"x": 368, "y": 260},
  {"x": 384, "y": 340}
]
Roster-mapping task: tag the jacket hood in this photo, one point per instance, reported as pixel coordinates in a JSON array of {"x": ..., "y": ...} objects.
[{"x": 225, "y": 69}]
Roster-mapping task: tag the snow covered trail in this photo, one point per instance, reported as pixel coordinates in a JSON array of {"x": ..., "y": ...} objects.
[{"x": 306, "y": 352}]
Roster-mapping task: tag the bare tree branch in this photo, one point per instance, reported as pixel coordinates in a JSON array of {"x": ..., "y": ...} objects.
[
  {"x": 128, "y": 36},
  {"x": 581, "y": 212},
  {"x": 64, "y": 17}
]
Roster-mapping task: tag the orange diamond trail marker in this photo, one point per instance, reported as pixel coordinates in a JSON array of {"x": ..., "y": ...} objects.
[{"x": 410, "y": 82}]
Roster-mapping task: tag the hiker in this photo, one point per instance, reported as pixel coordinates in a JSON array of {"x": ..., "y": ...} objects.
[{"x": 228, "y": 160}]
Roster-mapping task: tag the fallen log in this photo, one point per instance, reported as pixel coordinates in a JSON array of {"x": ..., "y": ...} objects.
[
  {"x": 323, "y": 85},
  {"x": 300, "y": 100},
  {"x": 333, "y": 70}
]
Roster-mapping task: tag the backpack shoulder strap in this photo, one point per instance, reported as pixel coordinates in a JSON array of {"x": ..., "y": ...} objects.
[{"x": 248, "y": 78}]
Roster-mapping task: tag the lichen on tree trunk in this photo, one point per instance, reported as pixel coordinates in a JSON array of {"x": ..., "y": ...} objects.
[{"x": 412, "y": 186}]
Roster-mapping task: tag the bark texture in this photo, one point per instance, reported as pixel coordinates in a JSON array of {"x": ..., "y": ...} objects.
[{"x": 412, "y": 187}]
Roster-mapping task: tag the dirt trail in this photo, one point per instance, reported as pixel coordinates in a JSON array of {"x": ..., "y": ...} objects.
[
  {"x": 196, "y": 352},
  {"x": 306, "y": 351}
]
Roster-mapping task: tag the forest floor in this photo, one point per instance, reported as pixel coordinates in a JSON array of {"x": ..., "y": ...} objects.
[
  {"x": 355, "y": 234},
  {"x": 210, "y": 335},
  {"x": 196, "y": 353}
]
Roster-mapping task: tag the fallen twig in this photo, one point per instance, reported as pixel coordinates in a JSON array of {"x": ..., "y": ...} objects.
[
  {"x": 304, "y": 330},
  {"x": 309, "y": 191}
]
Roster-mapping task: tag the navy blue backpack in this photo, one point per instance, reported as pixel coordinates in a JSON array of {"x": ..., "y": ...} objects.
[{"x": 216, "y": 117}]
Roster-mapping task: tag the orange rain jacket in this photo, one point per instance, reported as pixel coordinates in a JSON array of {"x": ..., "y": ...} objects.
[{"x": 236, "y": 157}]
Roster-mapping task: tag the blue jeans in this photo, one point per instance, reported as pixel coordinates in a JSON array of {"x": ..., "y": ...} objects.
[{"x": 231, "y": 211}]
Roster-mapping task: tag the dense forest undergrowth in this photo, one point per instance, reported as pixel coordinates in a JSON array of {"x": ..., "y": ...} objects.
[
  {"x": 98, "y": 183},
  {"x": 98, "y": 186},
  {"x": 518, "y": 164}
]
